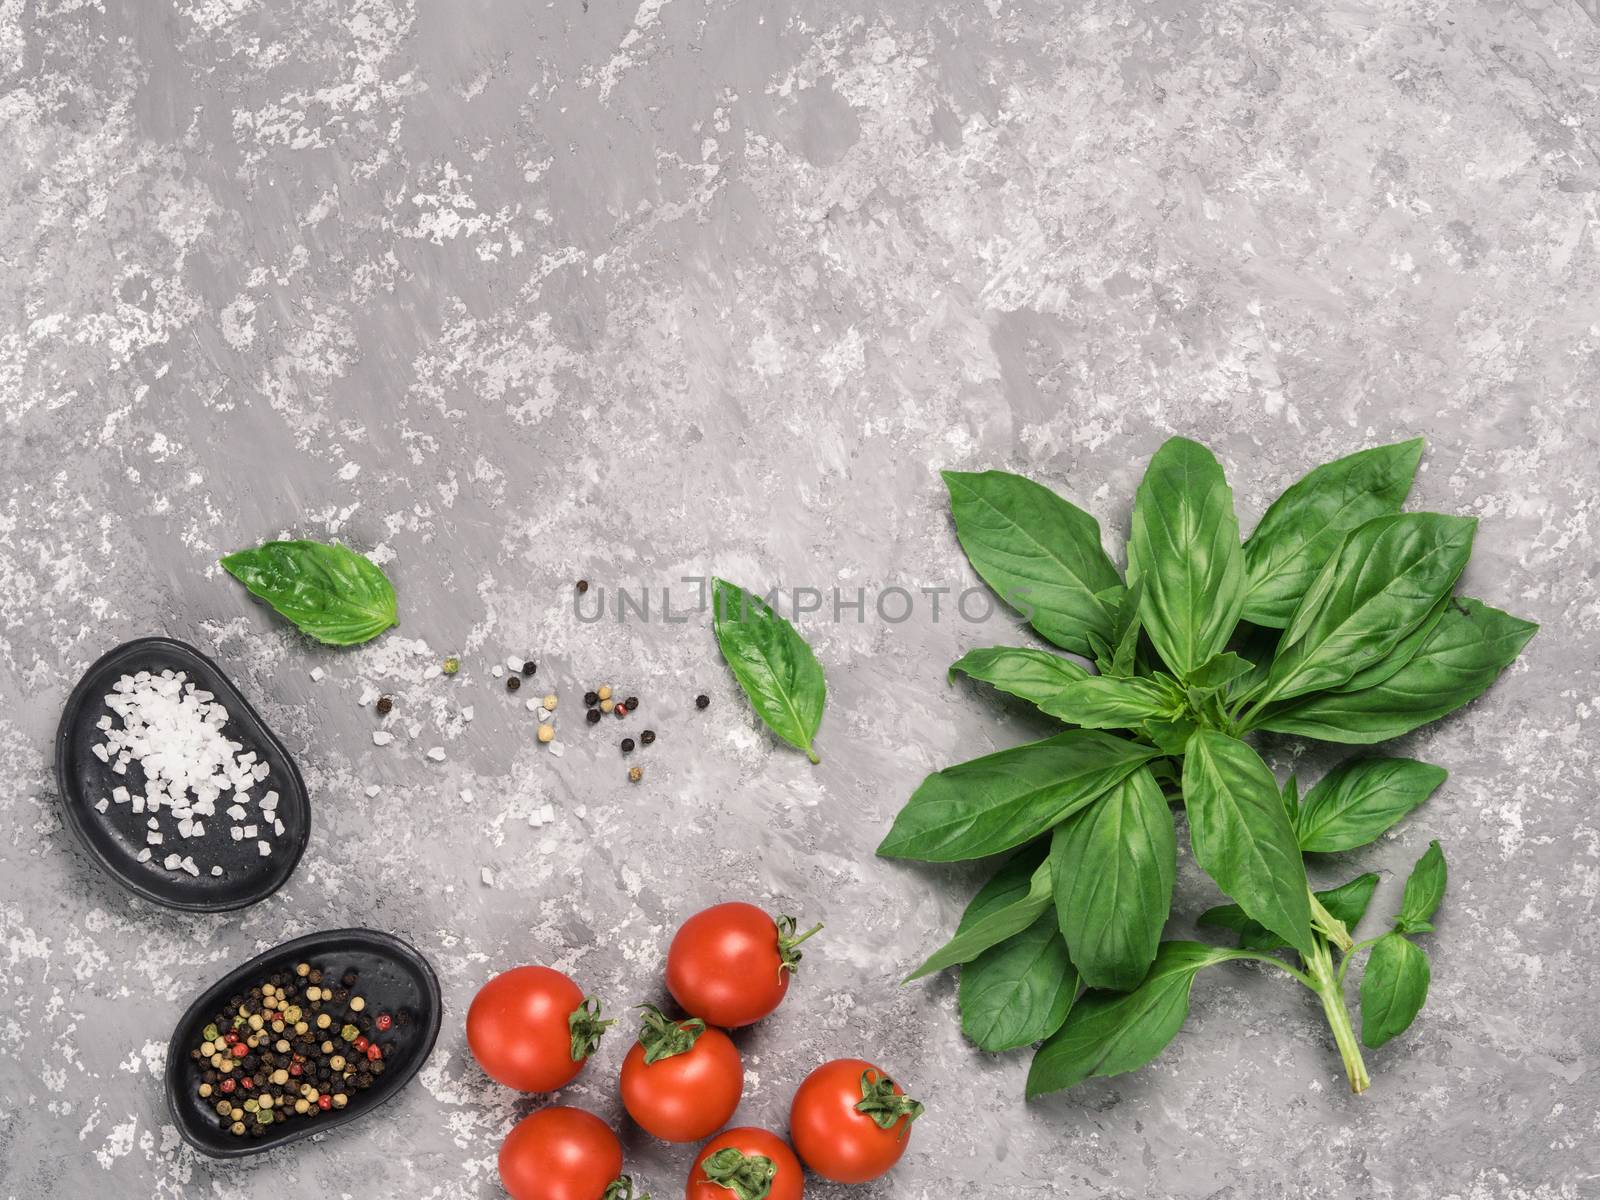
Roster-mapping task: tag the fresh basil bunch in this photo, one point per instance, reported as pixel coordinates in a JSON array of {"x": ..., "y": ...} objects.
[{"x": 1335, "y": 619}]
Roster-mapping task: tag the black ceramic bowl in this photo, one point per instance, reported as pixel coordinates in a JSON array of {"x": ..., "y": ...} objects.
[
  {"x": 116, "y": 836},
  {"x": 391, "y": 975}
]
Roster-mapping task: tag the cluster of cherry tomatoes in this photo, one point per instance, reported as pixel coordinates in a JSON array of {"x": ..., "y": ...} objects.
[{"x": 533, "y": 1029}]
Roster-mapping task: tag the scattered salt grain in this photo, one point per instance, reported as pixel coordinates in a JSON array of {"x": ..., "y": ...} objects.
[
  {"x": 216, "y": 870},
  {"x": 265, "y": 848},
  {"x": 466, "y": 713},
  {"x": 145, "y": 855},
  {"x": 381, "y": 737},
  {"x": 317, "y": 674},
  {"x": 497, "y": 671},
  {"x": 487, "y": 876},
  {"x": 102, "y": 804},
  {"x": 436, "y": 754},
  {"x": 373, "y": 789},
  {"x": 368, "y": 695},
  {"x": 557, "y": 749}
]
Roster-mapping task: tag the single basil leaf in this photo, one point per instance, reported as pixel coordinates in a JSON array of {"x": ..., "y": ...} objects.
[
  {"x": 1391, "y": 663},
  {"x": 772, "y": 664},
  {"x": 1291, "y": 797},
  {"x": 1219, "y": 671},
  {"x": 1124, "y": 658},
  {"x": 1184, "y": 552},
  {"x": 1020, "y": 991},
  {"x": 1394, "y": 988},
  {"x": 1424, "y": 890},
  {"x": 1241, "y": 834},
  {"x": 1384, "y": 581},
  {"x": 1041, "y": 554},
  {"x": 1108, "y": 1033},
  {"x": 1305, "y": 525},
  {"x": 327, "y": 590},
  {"x": 1470, "y": 646},
  {"x": 1001, "y": 800},
  {"x": 1113, "y": 864},
  {"x": 1033, "y": 675},
  {"x": 1347, "y": 902},
  {"x": 1100, "y": 702},
  {"x": 989, "y": 919},
  {"x": 1170, "y": 737},
  {"x": 1357, "y": 801}
]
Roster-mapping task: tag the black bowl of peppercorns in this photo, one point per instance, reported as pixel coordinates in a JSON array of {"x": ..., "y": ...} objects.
[{"x": 305, "y": 1038}]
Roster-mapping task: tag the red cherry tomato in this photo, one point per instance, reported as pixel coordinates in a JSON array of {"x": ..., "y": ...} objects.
[
  {"x": 560, "y": 1153},
  {"x": 532, "y": 1029},
  {"x": 730, "y": 964},
  {"x": 754, "y": 1150},
  {"x": 850, "y": 1122},
  {"x": 681, "y": 1080}
]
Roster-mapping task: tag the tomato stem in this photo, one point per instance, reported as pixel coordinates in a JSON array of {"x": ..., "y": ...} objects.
[
  {"x": 663, "y": 1037},
  {"x": 587, "y": 1028},
  {"x": 886, "y": 1106},
  {"x": 788, "y": 955},
  {"x": 747, "y": 1176}
]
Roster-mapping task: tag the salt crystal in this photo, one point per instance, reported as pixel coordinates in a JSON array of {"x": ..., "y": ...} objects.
[
  {"x": 269, "y": 801},
  {"x": 317, "y": 674},
  {"x": 236, "y": 811},
  {"x": 557, "y": 749},
  {"x": 216, "y": 870},
  {"x": 102, "y": 804},
  {"x": 145, "y": 855},
  {"x": 497, "y": 671},
  {"x": 138, "y": 804},
  {"x": 437, "y": 754},
  {"x": 487, "y": 876},
  {"x": 466, "y": 713},
  {"x": 265, "y": 849},
  {"x": 249, "y": 831},
  {"x": 188, "y": 865},
  {"x": 153, "y": 838},
  {"x": 238, "y": 833},
  {"x": 152, "y": 823},
  {"x": 172, "y": 861},
  {"x": 277, "y": 828},
  {"x": 381, "y": 737},
  {"x": 373, "y": 789},
  {"x": 513, "y": 663},
  {"x": 119, "y": 794},
  {"x": 544, "y": 716},
  {"x": 433, "y": 672},
  {"x": 368, "y": 695}
]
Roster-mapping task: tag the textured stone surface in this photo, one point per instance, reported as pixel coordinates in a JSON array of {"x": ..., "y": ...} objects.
[{"x": 513, "y": 293}]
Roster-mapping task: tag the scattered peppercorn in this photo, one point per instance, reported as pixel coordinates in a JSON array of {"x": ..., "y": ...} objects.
[
  {"x": 583, "y": 586},
  {"x": 591, "y": 698},
  {"x": 627, "y": 745},
  {"x": 384, "y": 705},
  {"x": 632, "y": 702},
  {"x": 605, "y": 692},
  {"x": 594, "y": 716},
  {"x": 635, "y": 774},
  {"x": 702, "y": 700},
  {"x": 452, "y": 665},
  {"x": 513, "y": 682},
  {"x": 530, "y": 667},
  {"x": 547, "y": 733},
  {"x": 622, "y": 710},
  {"x": 648, "y": 736}
]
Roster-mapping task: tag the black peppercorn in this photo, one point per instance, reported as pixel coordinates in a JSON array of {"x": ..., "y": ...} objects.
[
  {"x": 594, "y": 716},
  {"x": 530, "y": 667},
  {"x": 632, "y": 702},
  {"x": 591, "y": 698},
  {"x": 648, "y": 736},
  {"x": 513, "y": 683},
  {"x": 627, "y": 745},
  {"x": 348, "y": 979},
  {"x": 384, "y": 705},
  {"x": 701, "y": 701},
  {"x": 583, "y": 586}
]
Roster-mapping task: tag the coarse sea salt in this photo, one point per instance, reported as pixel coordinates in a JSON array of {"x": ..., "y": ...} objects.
[{"x": 174, "y": 732}]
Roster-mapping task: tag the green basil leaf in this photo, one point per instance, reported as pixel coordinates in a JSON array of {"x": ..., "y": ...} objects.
[
  {"x": 1464, "y": 654},
  {"x": 1305, "y": 525},
  {"x": 1394, "y": 988},
  {"x": 1113, "y": 864},
  {"x": 1390, "y": 664},
  {"x": 1184, "y": 552},
  {"x": 1424, "y": 890},
  {"x": 1241, "y": 835},
  {"x": 1384, "y": 581},
  {"x": 1358, "y": 801},
  {"x": 1001, "y": 800},
  {"x": 1291, "y": 797},
  {"x": 1020, "y": 991},
  {"x": 327, "y": 590},
  {"x": 1108, "y": 1033},
  {"x": 1100, "y": 702},
  {"x": 999, "y": 910},
  {"x": 772, "y": 663},
  {"x": 1347, "y": 902},
  {"x": 1041, "y": 554},
  {"x": 1124, "y": 656},
  {"x": 1032, "y": 675},
  {"x": 1219, "y": 671},
  {"x": 1170, "y": 737}
]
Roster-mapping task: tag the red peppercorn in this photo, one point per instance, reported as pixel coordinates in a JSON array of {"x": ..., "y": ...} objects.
[
  {"x": 247, "y": 1083},
  {"x": 384, "y": 1022},
  {"x": 361, "y": 1044},
  {"x": 240, "y": 1049},
  {"x": 324, "y": 1102},
  {"x": 227, "y": 1086},
  {"x": 231, "y": 1036},
  {"x": 374, "y": 1053},
  {"x": 622, "y": 710},
  {"x": 296, "y": 1070}
]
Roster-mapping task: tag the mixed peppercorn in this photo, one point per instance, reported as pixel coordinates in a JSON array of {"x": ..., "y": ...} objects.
[{"x": 297, "y": 1045}]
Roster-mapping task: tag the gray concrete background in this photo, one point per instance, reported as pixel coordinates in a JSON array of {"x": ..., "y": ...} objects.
[{"x": 512, "y": 293}]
